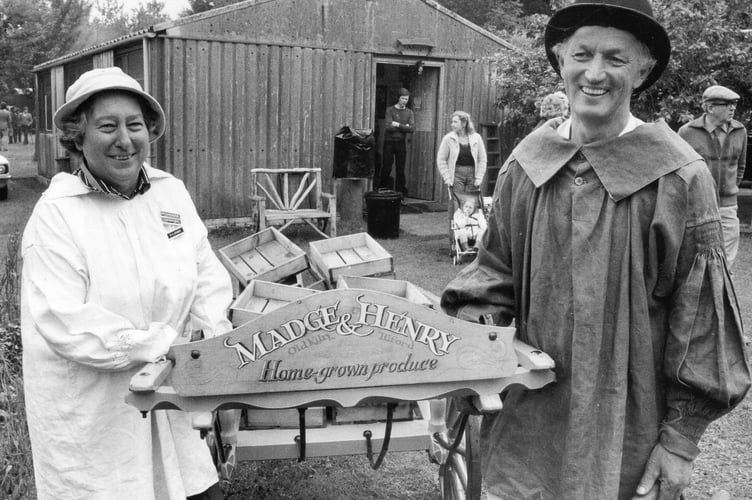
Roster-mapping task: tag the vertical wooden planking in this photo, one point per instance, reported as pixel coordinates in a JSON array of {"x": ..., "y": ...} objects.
[
  {"x": 215, "y": 132},
  {"x": 330, "y": 119},
  {"x": 467, "y": 97},
  {"x": 273, "y": 108},
  {"x": 319, "y": 81},
  {"x": 308, "y": 91},
  {"x": 285, "y": 109},
  {"x": 200, "y": 106},
  {"x": 296, "y": 106},
  {"x": 262, "y": 113},
  {"x": 240, "y": 153},
  {"x": 228, "y": 122},
  {"x": 190, "y": 126}
]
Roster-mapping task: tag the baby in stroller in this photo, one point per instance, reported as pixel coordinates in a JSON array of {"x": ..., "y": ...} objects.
[{"x": 469, "y": 224}]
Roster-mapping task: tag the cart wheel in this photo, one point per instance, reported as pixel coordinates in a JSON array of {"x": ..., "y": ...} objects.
[{"x": 460, "y": 475}]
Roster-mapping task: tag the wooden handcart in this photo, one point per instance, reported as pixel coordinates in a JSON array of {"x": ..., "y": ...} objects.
[{"x": 339, "y": 349}]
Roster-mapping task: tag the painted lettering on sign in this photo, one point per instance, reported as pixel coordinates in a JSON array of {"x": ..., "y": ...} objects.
[
  {"x": 366, "y": 317},
  {"x": 274, "y": 371}
]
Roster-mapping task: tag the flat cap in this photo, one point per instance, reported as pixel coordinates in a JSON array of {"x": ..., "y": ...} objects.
[{"x": 719, "y": 93}]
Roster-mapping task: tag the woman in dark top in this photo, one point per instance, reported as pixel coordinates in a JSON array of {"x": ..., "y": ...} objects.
[{"x": 461, "y": 159}]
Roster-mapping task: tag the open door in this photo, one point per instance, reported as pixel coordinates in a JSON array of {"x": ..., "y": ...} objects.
[{"x": 423, "y": 83}]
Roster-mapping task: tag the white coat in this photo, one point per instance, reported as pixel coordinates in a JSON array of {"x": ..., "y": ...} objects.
[
  {"x": 104, "y": 290},
  {"x": 449, "y": 149}
]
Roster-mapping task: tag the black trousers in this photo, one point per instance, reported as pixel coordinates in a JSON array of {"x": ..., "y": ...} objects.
[{"x": 394, "y": 152}]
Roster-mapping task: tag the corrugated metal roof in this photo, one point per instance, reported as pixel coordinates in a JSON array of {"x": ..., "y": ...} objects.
[{"x": 100, "y": 47}]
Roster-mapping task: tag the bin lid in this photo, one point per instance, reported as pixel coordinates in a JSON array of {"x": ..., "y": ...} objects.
[{"x": 383, "y": 194}]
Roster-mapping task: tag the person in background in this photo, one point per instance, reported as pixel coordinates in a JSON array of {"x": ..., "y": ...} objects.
[
  {"x": 555, "y": 105},
  {"x": 399, "y": 121},
  {"x": 117, "y": 267},
  {"x": 15, "y": 125},
  {"x": 722, "y": 142},
  {"x": 25, "y": 119},
  {"x": 461, "y": 158},
  {"x": 604, "y": 246},
  {"x": 5, "y": 126}
]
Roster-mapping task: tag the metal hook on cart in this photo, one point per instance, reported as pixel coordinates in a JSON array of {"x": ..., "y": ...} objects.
[
  {"x": 300, "y": 439},
  {"x": 454, "y": 447},
  {"x": 387, "y": 435}
]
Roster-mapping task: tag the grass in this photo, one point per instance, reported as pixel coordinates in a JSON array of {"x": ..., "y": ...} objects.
[{"x": 16, "y": 470}]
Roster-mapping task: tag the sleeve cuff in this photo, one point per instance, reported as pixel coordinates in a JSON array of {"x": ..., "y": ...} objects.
[{"x": 678, "y": 444}]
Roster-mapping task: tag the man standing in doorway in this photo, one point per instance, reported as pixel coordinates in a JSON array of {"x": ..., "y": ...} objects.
[
  {"x": 722, "y": 142},
  {"x": 399, "y": 121}
]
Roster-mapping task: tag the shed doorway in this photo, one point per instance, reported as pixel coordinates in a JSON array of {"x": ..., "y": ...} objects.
[{"x": 423, "y": 83}]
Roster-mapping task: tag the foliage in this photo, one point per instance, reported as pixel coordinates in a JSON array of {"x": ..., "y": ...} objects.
[
  {"x": 9, "y": 282},
  {"x": 524, "y": 75},
  {"x": 111, "y": 20},
  {"x": 709, "y": 47},
  {"x": 197, "y": 6},
  {"x": 16, "y": 470},
  {"x": 34, "y": 31}
]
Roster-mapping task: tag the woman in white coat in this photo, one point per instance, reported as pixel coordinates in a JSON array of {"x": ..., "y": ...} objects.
[
  {"x": 117, "y": 267},
  {"x": 461, "y": 159}
]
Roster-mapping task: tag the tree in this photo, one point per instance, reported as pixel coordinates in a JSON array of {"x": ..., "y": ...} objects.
[
  {"x": 197, "y": 6},
  {"x": 34, "y": 31},
  {"x": 111, "y": 21}
]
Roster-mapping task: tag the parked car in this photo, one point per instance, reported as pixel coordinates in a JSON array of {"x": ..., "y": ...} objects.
[{"x": 4, "y": 177}]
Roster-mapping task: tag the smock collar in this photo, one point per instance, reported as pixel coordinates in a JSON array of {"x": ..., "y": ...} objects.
[{"x": 544, "y": 152}]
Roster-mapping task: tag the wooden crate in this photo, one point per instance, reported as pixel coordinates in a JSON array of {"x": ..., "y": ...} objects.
[
  {"x": 260, "y": 418},
  {"x": 400, "y": 288},
  {"x": 352, "y": 255},
  {"x": 260, "y": 297},
  {"x": 267, "y": 255},
  {"x": 373, "y": 412},
  {"x": 310, "y": 279}
]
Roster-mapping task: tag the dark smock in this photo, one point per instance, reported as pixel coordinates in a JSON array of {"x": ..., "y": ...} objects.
[{"x": 609, "y": 257}]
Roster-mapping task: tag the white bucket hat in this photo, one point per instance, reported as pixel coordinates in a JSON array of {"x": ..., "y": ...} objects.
[{"x": 102, "y": 79}]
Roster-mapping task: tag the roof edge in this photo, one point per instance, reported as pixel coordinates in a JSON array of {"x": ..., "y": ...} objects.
[
  {"x": 100, "y": 47},
  {"x": 469, "y": 24}
]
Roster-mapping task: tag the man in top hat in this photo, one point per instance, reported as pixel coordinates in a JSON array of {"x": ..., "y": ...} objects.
[
  {"x": 722, "y": 142},
  {"x": 604, "y": 246}
]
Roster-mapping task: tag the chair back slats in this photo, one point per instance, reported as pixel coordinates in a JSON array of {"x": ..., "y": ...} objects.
[
  {"x": 299, "y": 197},
  {"x": 303, "y": 182},
  {"x": 286, "y": 190},
  {"x": 271, "y": 193},
  {"x": 308, "y": 204}
]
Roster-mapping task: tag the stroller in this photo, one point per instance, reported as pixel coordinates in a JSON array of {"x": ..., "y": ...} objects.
[{"x": 467, "y": 223}]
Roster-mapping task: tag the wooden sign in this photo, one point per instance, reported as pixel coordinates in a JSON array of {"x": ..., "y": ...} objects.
[{"x": 343, "y": 340}]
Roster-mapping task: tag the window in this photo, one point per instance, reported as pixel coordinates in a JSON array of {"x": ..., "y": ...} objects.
[
  {"x": 44, "y": 100},
  {"x": 131, "y": 60},
  {"x": 75, "y": 69}
]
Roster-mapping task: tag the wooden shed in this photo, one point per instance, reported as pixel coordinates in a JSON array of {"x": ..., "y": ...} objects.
[{"x": 268, "y": 83}]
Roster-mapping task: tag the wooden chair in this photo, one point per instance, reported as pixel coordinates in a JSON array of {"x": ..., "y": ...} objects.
[{"x": 280, "y": 197}]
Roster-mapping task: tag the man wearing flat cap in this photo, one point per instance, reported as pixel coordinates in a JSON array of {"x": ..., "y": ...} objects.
[
  {"x": 722, "y": 142},
  {"x": 604, "y": 246}
]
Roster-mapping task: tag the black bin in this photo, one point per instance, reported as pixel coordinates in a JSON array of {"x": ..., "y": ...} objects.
[
  {"x": 383, "y": 207},
  {"x": 354, "y": 153}
]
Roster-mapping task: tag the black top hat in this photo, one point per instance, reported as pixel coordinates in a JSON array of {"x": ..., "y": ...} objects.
[{"x": 634, "y": 16}]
